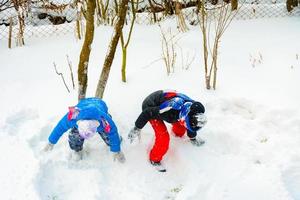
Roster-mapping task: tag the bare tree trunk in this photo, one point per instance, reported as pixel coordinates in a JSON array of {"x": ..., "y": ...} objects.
[
  {"x": 78, "y": 25},
  {"x": 215, "y": 65},
  {"x": 204, "y": 29},
  {"x": 290, "y": 4},
  {"x": 21, "y": 8},
  {"x": 21, "y": 19},
  {"x": 180, "y": 18},
  {"x": 112, "y": 49},
  {"x": 169, "y": 9},
  {"x": 10, "y": 32},
  {"x": 124, "y": 60},
  {"x": 86, "y": 49},
  {"x": 234, "y": 4},
  {"x": 221, "y": 18},
  {"x": 205, "y": 56},
  {"x": 152, "y": 9},
  {"x": 125, "y": 45}
]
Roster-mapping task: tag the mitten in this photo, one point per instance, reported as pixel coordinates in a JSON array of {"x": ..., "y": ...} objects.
[
  {"x": 134, "y": 132},
  {"x": 49, "y": 146},
  {"x": 119, "y": 156},
  {"x": 197, "y": 142}
]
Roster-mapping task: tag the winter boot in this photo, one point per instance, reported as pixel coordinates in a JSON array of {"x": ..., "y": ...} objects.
[{"x": 158, "y": 166}]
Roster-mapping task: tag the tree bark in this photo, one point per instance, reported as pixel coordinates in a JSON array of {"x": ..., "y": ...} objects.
[
  {"x": 125, "y": 45},
  {"x": 124, "y": 60},
  {"x": 22, "y": 9},
  {"x": 203, "y": 27},
  {"x": 112, "y": 49},
  {"x": 78, "y": 25},
  {"x": 290, "y": 4},
  {"x": 10, "y": 32},
  {"x": 215, "y": 66},
  {"x": 234, "y": 4},
  {"x": 86, "y": 49}
]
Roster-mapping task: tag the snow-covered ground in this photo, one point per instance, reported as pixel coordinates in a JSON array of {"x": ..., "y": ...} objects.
[{"x": 252, "y": 148}]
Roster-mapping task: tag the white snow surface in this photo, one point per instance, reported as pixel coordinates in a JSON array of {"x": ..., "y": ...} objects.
[{"x": 252, "y": 148}]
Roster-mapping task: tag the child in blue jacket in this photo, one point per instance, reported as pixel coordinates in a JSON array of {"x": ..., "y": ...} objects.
[{"x": 88, "y": 117}]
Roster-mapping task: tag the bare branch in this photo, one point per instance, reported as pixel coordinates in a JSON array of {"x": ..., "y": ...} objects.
[
  {"x": 213, "y": 23},
  {"x": 151, "y": 63},
  {"x": 62, "y": 76},
  {"x": 5, "y": 4},
  {"x": 169, "y": 53},
  {"x": 188, "y": 62}
]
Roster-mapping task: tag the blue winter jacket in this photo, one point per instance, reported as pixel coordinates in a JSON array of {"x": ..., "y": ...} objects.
[{"x": 89, "y": 108}]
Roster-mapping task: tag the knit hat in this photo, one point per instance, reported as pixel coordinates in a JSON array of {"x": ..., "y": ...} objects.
[
  {"x": 196, "y": 117},
  {"x": 196, "y": 108}
]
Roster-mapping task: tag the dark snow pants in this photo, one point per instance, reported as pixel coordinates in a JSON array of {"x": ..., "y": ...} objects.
[
  {"x": 75, "y": 141},
  {"x": 162, "y": 138}
]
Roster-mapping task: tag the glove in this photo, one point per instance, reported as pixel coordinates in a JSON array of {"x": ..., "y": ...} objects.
[
  {"x": 119, "y": 156},
  {"x": 135, "y": 132},
  {"x": 197, "y": 142},
  {"x": 49, "y": 146}
]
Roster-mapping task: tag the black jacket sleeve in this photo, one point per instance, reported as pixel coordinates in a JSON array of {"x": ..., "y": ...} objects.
[
  {"x": 147, "y": 114},
  {"x": 150, "y": 108}
]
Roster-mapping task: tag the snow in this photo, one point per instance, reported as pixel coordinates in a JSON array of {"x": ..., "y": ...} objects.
[{"x": 252, "y": 137}]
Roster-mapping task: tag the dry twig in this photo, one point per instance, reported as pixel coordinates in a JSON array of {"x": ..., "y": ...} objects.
[
  {"x": 61, "y": 75},
  {"x": 71, "y": 71}
]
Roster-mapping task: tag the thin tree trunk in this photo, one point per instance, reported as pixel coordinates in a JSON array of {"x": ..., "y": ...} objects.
[
  {"x": 205, "y": 55},
  {"x": 112, "y": 49},
  {"x": 86, "y": 49},
  {"x": 124, "y": 60},
  {"x": 153, "y": 11},
  {"x": 125, "y": 45},
  {"x": 78, "y": 28},
  {"x": 22, "y": 9},
  {"x": 215, "y": 68},
  {"x": 203, "y": 26},
  {"x": 21, "y": 19},
  {"x": 234, "y": 4},
  {"x": 181, "y": 21},
  {"x": 10, "y": 32}
]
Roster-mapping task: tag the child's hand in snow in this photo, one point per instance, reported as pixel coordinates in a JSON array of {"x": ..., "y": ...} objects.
[
  {"x": 197, "y": 141},
  {"x": 119, "y": 156},
  {"x": 49, "y": 146},
  {"x": 134, "y": 132}
]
